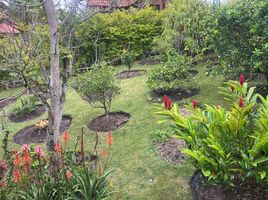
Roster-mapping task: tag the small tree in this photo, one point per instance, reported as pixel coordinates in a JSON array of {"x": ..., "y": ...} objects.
[
  {"x": 127, "y": 59},
  {"x": 98, "y": 87}
]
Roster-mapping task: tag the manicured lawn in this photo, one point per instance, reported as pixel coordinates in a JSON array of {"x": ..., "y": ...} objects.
[{"x": 139, "y": 173}]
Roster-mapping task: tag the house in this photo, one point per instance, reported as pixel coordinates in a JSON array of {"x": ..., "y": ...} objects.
[{"x": 125, "y": 4}]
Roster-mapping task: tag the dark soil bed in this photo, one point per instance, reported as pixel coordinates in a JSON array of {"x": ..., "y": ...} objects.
[
  {"x": 170, "y": 150},
  {"x": 33, "y": 134},
  {"x": 40, "y": 109},
  {"x": 110, "y": 122},
  {"x": 130, "y": 74},
  {"x": 149, "y": 61},
  {"x": 201, "y": 191},
  {"x": 5, "y": 102},
  {"x": 174, "y": 94}
]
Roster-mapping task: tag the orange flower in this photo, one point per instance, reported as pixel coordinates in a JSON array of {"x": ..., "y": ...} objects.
[
  {"x": 27, "y": 160},
  {"x": 58, "y": 147},
  {"x": 69, "y": 174},
  {"x": 17, "y": 159},
  {"x": 66, "y": 136},
  {"x": 17, "y": 176},
  {"x": 103, "y": 153},
  {"x": 99, "y": 168},
  {"x": 110, "y": 139}
]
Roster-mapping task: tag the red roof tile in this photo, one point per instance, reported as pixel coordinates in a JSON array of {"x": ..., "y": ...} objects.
[{"x": 108, "y": 3}]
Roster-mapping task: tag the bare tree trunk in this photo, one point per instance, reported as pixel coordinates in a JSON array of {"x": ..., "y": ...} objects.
[{"x": 55, "y": 109}]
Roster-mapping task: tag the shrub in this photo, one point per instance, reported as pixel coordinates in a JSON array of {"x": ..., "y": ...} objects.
[
  {"x": 127, "y": 58},
  {"x": 107, "y": 35},
  {"x": 171, "y": 76},
  {"x": 98, "y": 86},
  {"x": 228, "y": 146},
  {"x": 27, "y": 105}
]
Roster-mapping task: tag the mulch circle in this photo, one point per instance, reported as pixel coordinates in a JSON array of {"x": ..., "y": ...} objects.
[
  {"x": 33, "y": 134},
  {"x": 110, "y": 122},
  {"x": 174, "y": 95},
  {"x": 170, "y": 150},
  {"x": 6, "y": 101},
  {"x": 38, "y": 111},
  {"x": 201, "y": 191},
  {"x": 130, "y": 74}
]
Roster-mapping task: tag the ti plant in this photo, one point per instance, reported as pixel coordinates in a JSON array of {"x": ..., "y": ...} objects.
[{"x": 229, "y": 146}]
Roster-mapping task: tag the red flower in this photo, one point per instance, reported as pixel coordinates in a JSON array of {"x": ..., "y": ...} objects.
[
  {"x": 27, "y": 161},
  {"x": 17, "y": 159},
  {"x": 38, "y": 150},
  {"x": 167, "y": 102},
  {"x": 66, "y": 136},
  {"x": 241, "y": 102},
  {"x": 69, "y": 174},
  {"x": 58, "y": 147},
  {"x": 17, "y": 176},
  {"x": 232, "y": 88},
  {"x": 3, "y": 185},
  {"x": 103, "y": 153},
  {"x": 3, "y": 165},
  {"x": 110, "y": 139},
  {"x": 194, "y": 103},
  {"x": 242, "y": 79}
]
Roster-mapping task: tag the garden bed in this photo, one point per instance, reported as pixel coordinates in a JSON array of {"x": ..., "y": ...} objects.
[
  {"x": 178, "y": 94},
  {"x": 211, "y": 192},
  {"x": 33, "y": 134},
  {"x": 6, "y": 101},
  {"x": 38, "y": 111},
  {"x": 170, "y": 150},
  {"x": 149, "y": 61},
  {"x": 130, "y": 74},
  {"x": 110, "y": 122}
]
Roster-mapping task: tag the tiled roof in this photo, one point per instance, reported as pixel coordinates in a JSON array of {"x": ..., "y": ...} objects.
[
  {"x": 108, "y": 3},
  {"x": 6, "y": 28}
]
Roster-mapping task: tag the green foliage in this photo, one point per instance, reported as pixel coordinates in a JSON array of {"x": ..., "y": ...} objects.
[
  {"x": 171, "y": 76},
  {"x": 238, "y": 31},
  {"x": 107, "y": 35},
  {"x": 27, "y": 105},
  {"x": 127, "y": 58},
  {"x": 228, "y": 146},
  {"x": 183, "y": 28},
  {"x": 98, "y": 86}
]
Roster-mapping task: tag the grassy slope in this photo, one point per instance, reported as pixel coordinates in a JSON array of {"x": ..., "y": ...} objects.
[{"x": 139, "y": 173}]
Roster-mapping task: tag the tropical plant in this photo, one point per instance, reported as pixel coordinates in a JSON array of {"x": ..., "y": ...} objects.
[
  {"x": 127, "y": 58},
  {"x": 98, "y": 86},
  {"x": 27, "y": 105},
  {"x": 229, "y": 146},
  {"x": 171, "y": 76}
]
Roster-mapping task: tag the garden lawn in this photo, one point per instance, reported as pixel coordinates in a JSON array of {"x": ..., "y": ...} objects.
[{"x": 139, "y": 173}]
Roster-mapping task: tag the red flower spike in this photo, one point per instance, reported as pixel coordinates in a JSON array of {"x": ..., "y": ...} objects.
[
  {"x": 69, "y": 174},
  {"x": 242, "y": 79},
  {"x": 58, "y": 147},
  {"x": 241, "y": 102},
  {"x": 103, "y": 153},
  {"x": 169, "y": 104},
  {"x": 17, "y": 176},
  {"x": 194, "y": 103},
  {"x": 27, "y": 161},
  {"x": 166, "y": 101},
  {"x": 66, "y": 136},
  {"x": 17, "y": 160},
  {"x": 110, "y": 139},
  {"x": 99, "y": 169}
]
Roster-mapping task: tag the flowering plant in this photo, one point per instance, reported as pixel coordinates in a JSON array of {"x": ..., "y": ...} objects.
[{"x": 228, "y": 146}]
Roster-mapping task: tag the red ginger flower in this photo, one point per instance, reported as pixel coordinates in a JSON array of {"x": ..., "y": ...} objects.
[
  {"x": 38, "y": 150},
  {"x": 17, "y": 176},
  {"x": 58, "y": 147},
  {"x": 69, "y": 174},
  {"x": 25, "y": 147},
  {"x": 66, "y": 136},
  {"x": 242, "y": 79},
  {"x": 167, "y": 102},
  {"x": 103, "y": 153},
  {"x": 241, "y": 102},
  {"x": 3, "y": 165},
  {"x": 110, "y": 139},
  {"x": 194, "y": 103}
]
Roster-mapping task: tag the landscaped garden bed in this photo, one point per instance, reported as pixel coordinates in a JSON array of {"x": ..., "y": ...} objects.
[
  {"x": 130, "y": 74},
  {"x": 109, "y": 122},
  {"x": 36, "y": 134}
]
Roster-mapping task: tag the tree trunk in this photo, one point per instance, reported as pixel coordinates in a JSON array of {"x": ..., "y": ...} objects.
[{"x": 55, "y": 109}]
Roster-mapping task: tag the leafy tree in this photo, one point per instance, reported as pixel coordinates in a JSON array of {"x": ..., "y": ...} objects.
[
  {"x": 98, "y": 86},
  {"x": 128, "y": 58}
]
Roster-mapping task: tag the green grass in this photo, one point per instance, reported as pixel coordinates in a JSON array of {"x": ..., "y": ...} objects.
[{"x": 139, "y": 173}]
